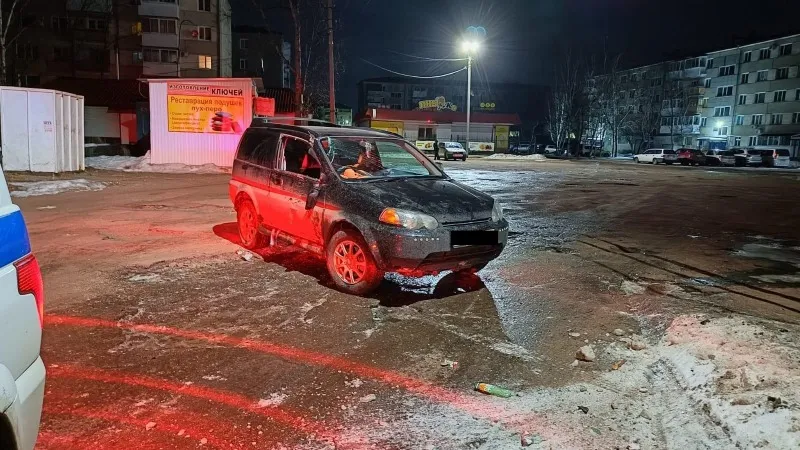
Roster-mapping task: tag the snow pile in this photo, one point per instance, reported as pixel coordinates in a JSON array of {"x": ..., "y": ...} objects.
[
  {"x": 719, "y": 383},
  {"x": 534, "y": 157},
  {"x": 142, "y": 164},
  {"x": 34, "y": 188},
  {"x": 745, "y": 377}
]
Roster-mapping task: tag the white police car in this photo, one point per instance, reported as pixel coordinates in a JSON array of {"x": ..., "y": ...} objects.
[{"x": 21, "y": 313}]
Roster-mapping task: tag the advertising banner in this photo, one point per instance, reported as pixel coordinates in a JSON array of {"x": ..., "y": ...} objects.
[
  {"x": 481, "y": 146},
  {"x": 424, "y": 145},
  {"x": 198, "y": 108}
]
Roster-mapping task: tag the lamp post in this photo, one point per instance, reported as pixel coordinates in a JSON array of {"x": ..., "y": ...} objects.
[
  {"x": 469, "y": 47},
  {"x": 178, "y": 59}
]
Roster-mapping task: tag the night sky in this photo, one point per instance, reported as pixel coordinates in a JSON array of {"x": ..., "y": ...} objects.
[{"x": 526, "y": 38}]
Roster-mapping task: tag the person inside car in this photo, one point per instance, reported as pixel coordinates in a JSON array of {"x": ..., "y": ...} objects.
[{"x": 368, "y": 162}]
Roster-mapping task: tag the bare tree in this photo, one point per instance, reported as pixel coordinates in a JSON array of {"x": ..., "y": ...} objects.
[
  {"x": 562, "y": 107},
  {"x": 678, "y": 101},
  {"x": 309, "y": 63},
  {"x": 644, "y": 123},
  {"x": 613, "y": 106},
  {"x": 10, "y": 29}
]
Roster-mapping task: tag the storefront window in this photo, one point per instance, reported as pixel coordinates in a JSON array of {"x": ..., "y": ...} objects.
[{"x": 425, "y": 134}]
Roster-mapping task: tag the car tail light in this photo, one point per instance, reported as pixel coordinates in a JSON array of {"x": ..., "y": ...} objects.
[{"x": 29, "y": 280}]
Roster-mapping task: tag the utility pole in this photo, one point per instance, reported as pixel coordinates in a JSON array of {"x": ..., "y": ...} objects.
[
  {"x": 331, "y": 81},
  {"x": 469, "y": 94}
]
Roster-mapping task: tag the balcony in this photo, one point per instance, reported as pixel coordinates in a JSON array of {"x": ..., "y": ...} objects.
[
  {"x": 159, "y": 69},
  {"x": 160, "y": 40},
  {"x": 163, "y": 8}
]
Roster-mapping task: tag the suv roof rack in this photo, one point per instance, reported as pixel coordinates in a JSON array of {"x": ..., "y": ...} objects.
[{"x": 296, "y": 121}]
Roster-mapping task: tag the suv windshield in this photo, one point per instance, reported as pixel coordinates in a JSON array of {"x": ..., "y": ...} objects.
[
  {"x": 370, "y": 158},
  {"x": 782, "y": 152},
  {"x": 669, "y": 152}
]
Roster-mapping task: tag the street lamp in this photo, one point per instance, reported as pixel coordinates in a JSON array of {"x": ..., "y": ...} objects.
[
  {"x": 470, "y": 47},
  {"x": 178, "y": 59}
]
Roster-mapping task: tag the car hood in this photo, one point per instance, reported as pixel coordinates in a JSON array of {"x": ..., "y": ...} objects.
[{"x": 444, "y": 199}]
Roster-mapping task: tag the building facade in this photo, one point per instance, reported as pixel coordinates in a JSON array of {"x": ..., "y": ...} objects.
[
  {"x": 748, "y": 96},
  {"x": 406, "y": 94},
  {"x": 258, "y": 53},
  {"x": 123, "y": 39}
]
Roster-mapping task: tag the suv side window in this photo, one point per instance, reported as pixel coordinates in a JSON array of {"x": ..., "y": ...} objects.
[
  {"x": 258, "y": 147},
  {"x": 264, "y": 153},
  {"x": 294, "y": 157}
]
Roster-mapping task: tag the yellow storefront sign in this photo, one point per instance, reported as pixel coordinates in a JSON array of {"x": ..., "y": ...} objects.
[
  {"x": 387, "y": 125},
  {"x": 501, "y": 136},
  {"x": 193, "y": 108}
]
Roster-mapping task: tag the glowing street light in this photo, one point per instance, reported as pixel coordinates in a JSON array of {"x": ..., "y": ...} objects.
[{"x": 469, "y": 47}]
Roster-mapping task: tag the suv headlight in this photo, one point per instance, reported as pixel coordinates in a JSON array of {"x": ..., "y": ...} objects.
[
  {"x": 497, "y": 212},
  {"x": 408, "y": 219}
]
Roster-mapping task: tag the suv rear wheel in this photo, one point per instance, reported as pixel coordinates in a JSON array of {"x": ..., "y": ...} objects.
[
  {"x": 247, "y": 221},
  {"x": 350, "y": 263}
]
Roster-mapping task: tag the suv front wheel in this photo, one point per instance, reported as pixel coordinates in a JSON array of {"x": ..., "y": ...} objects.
[
  {"x": 350, "y": 263},
  {"x": 247, "y": 223}
]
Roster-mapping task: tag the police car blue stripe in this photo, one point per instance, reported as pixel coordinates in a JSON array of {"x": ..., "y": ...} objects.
[{"x": 14, "y": 243}]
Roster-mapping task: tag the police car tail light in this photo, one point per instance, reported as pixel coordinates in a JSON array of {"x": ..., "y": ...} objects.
[{"x": 29, "y": 280}]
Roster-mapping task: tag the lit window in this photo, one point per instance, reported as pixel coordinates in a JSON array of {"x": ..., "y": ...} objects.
[{"x": 204, "y": 62}]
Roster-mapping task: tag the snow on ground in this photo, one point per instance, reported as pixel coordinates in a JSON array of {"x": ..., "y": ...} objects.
[
  {"x": 34, "y": 188},
  {"x": 535, "y": 157},
  {"x": 725, "y": 382},
  {"x": 142, "y": 164}
]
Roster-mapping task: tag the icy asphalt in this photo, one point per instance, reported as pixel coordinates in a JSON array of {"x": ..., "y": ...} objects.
[{"x": 160, "y": 335}]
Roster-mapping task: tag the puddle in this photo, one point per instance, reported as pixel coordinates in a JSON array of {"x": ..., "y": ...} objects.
[{"x": 781, "y": 257}]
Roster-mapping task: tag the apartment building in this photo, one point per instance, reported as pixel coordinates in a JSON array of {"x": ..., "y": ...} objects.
[
  {"x": 123, "y": 39},
  {"x": 746, "y": 96},
  {"x": 259, "y": 53}
]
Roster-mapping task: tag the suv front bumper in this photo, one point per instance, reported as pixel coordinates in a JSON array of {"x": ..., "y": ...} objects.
[{"x": 422, "y": 252}]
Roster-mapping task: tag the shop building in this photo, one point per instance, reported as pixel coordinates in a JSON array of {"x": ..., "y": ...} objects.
[{"x": 489, "y": 132}]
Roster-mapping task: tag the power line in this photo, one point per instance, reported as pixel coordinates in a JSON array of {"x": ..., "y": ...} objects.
[
  {"x": 424, "y": 58},
  {"x": 414, "y": 76}
]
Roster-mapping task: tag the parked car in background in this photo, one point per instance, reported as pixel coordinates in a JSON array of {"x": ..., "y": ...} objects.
[
  {"x": 453, "y": 150},
  {"x": 550, "y": 150},
  {"x": 717, "y": 157},
  {"x": 22, "y": 372},
  {"x": 521, "y": 149},
  {"x": 656, "y": 156},
  {"x": 691, "y": 157},
  {"x": 749, "y": 157},
  {"x": 776, "y": 158}
]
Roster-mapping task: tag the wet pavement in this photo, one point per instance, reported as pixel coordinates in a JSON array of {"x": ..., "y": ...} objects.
[{"x": 159, "y": 335}]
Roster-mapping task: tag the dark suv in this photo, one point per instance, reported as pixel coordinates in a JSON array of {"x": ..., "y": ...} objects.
[
  {"x": 368, "y": 201},
  {"x": 691, "y": 156}
]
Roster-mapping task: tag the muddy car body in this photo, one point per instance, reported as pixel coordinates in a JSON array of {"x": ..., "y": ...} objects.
[{"x": 366, "y": 200}]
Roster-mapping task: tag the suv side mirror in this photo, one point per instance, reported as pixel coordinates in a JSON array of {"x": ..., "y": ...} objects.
[{"x": 313, "y": 194}]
